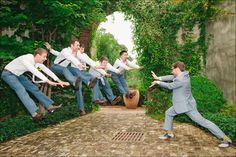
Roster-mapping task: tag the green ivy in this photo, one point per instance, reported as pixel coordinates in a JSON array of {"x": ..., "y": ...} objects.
[{"x": 156, "y": 26}]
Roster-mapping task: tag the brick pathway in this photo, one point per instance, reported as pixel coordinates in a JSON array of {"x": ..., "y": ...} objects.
[{"x": 92, "y": 135}]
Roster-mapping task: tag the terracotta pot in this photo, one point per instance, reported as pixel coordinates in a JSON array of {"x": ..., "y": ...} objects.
[{"x": 132, "y": 103}]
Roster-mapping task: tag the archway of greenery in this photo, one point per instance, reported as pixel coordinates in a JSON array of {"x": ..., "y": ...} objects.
[
  {"x": 165, "y": 31},
  {"x": 169, "y": 30}
]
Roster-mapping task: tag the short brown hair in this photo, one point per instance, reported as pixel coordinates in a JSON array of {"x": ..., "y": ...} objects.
[
  {"x": 72, "y": 41},
  {"x": 82, "y": 44},
  {"x": 179, "y": 65},
  {"x": 39, "y": 51},
  {"x": 103, "y": 58}
]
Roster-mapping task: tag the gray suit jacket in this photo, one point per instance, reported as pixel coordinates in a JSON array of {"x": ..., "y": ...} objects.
[{"x": 182, "y": 98}]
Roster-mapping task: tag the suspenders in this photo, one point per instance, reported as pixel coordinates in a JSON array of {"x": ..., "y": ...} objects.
[{"x": 63, "y": 61}]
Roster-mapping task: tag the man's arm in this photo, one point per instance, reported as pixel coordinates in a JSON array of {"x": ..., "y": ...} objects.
[
  {"x": 122, "y": 65},
  {"x": 47, "y": 71},
  {"x": 173, "y": 85},
  {"x": 166, "y": 78},
  {"x": 111, "y": 68},
  {"x": 71, "y": 58},
  {"x": 53, "y": 76},
  {"x": 52, "y": 51},
  {"x": 133, "y": 65}
]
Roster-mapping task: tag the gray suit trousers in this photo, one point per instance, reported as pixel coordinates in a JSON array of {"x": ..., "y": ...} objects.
[{"x": 196, "y": 117}]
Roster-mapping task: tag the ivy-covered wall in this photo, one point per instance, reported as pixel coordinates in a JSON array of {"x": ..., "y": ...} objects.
[
  {"x": 165, "y": 31},
  {"x": 221, "y": 54}
]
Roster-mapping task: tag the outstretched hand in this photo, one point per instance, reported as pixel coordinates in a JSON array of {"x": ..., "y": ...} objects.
[
  {"x": 62, "y": 83},
  {"x": 52, "y": 83},
  {"x": 108, "y": 75},
  {"x": 47, "y": 45},
  {"x": 153, "y": 84},
  {"x": 154, "y": 76},
  {"x": 141, "y": 67}
]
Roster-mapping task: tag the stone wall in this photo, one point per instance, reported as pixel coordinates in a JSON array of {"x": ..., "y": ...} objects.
[{"x": 221, "y": 54}]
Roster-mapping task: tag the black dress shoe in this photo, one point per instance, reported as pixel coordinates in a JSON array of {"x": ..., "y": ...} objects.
[{"x": 92, "y": 82}]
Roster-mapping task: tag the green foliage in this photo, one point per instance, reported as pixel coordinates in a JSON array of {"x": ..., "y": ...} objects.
[
  {"x": 229, "y": 109},
  {"x": 23, "y": 124},
  {"x": 157, "y": 33},
  {"x": 208, "y": 96},
  {"x": 107, "y": 45},
  {"x": 49, "y": 20},
  {"x": 11, "y": 48}
]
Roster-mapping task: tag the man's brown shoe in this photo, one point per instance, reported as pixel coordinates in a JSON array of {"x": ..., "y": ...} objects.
[
  {"x": 100, "y": 101},
  {"x": 54, "y": 108},
  {"x": 82, "y": 112},
  {"x": 116, "y": 100},
  {"x": 92, "y": 82},
  {"x": 37, "y": 117}
]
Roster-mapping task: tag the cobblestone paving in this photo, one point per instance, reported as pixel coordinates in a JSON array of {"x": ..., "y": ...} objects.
[{"x": 91, "y": 135}]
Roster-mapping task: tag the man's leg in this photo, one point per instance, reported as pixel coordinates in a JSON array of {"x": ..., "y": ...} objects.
[
  {"x": 32, "y": 88},
  {"x": 168, "y": 125},
  {"x": 84, "y": 75},
  {"x": 214, "y": 129},
  {"x": 123, "y": 82},
  {"x": 60, "y": 70},
  {"x": 107, "y": 90},
  {"x": 169, "y": 116},
  {"x": 97, "y": 95},
  {"x": 197, "y": 117},
  {"x": 80, "y": 100},
  {"x": 15, "y": 84},
  {"x": 116, "y": 80}
]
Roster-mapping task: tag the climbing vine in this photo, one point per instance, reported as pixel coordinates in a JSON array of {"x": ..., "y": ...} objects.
[{"x": 169, "y": 30}]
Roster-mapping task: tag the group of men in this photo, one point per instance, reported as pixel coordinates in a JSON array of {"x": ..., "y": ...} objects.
[{"x": 72, "y": 62}]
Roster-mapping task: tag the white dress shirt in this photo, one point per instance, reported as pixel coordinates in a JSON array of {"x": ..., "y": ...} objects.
[
  {"x": 122, "y": 66},
  {"x": 26, "y": 63},
  {"x": 102, "y": 72},
  {"x": 65, "y": 57}
]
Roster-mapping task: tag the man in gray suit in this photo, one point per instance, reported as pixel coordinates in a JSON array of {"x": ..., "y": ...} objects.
[{"x": 184, "y": 102}]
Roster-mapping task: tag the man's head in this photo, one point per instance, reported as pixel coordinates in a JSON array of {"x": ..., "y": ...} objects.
[
  {"x": 82, "y": 47},
  {"x": 40, "y": 55},
  {"x": 177, "y": 68},
  {"x": 103, "y": 61},
  {"x": 124, "y": 55},
  {"x": 75, "y": 45}
]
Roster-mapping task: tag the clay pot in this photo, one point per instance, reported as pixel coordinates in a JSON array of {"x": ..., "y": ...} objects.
[{"x": 132, "y": 103}]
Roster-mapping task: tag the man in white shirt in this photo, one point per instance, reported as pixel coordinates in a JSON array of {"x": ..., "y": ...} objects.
[
  {"x": 13, "y": 76},
  {"x": 63, "y": 59},
  {"x": 103, "y": 83},
  {"x": 72, "y": 70},
  {"x": 123, "y": 64},
  {"x": 85, "y": 59}
]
